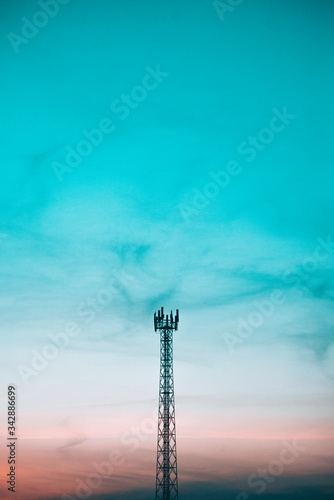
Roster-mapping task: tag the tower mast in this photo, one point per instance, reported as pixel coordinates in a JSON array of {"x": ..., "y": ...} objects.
[{"x": 166, "y": 470}]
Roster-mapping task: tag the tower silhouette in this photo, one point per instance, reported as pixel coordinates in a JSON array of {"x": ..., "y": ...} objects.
[{"x": 166, "y": 470}]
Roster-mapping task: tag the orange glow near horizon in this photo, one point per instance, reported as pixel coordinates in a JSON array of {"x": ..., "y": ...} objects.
[{"x": 49, "y": 468}]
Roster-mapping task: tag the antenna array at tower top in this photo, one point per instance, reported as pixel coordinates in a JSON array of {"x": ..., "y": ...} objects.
[{"x": 162, "y": 321}]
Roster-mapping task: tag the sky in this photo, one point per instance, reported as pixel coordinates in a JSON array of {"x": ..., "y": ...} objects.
[{"x": 170, "y": 154}]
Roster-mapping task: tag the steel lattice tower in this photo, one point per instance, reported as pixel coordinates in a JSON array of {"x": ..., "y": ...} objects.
[{"x": 166, "y": 472}]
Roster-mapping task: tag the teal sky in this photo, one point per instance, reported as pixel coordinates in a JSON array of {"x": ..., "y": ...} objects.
[{"x": 121, "y": 212}]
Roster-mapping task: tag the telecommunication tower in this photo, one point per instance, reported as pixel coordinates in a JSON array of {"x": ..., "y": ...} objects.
[{"x": 166, "y": 471}]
